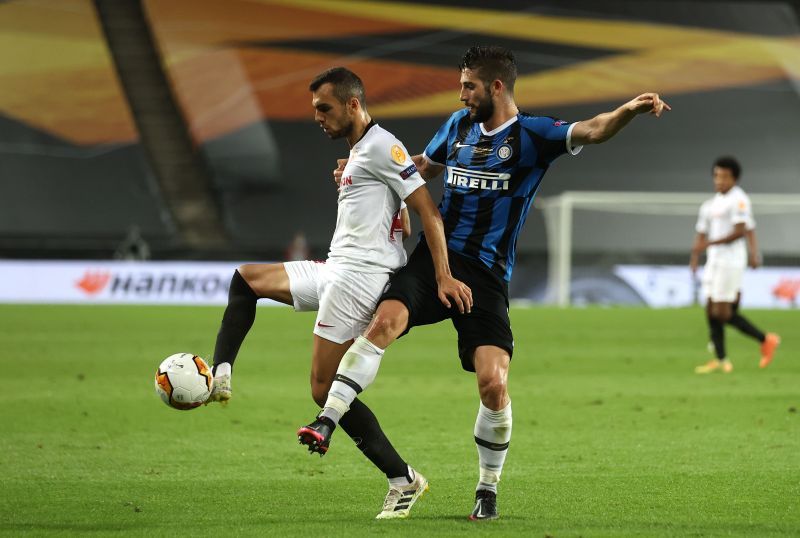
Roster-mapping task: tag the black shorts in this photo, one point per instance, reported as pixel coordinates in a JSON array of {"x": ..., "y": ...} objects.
[{"x": 488, "y": 324}]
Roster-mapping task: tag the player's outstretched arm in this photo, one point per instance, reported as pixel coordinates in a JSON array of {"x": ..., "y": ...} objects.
[
  {"x": 449, "y": 288},
  {"x": 427, "y": 169},
  {"x": 606, "y": 125}
]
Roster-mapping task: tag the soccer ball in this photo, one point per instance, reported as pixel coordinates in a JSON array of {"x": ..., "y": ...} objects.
[{"x": 184, "y": 381}]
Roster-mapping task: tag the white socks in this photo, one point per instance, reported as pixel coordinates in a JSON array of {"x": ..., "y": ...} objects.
[
  {"x": 492, "y": 435},
  {"x": 223, "y": 368},
  {"x": 356, "y": 372},
  {"x": 401, "y": 481}
]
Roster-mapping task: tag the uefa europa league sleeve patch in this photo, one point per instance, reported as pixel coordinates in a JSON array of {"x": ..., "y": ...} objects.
[
  {"x": 398, "y": 155},
  {"x": 408, "y": 171}
]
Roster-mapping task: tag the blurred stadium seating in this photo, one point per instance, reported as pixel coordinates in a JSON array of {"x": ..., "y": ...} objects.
[{"x": 77, "y": 174}]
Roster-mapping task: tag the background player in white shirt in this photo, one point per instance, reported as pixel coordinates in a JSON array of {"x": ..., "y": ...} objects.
[
  {"x": 367, "y": 246},
  {"x": 725, "y": 229}
]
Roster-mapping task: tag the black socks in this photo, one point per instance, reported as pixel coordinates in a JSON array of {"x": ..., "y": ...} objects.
[
  {"x": 717, "y": 336},
  {"x": 359, "y": 422},
  {"x": 741, "y": 323},
  {"x": 362, "y": 425},
  {"x": 236, "y": 321}
]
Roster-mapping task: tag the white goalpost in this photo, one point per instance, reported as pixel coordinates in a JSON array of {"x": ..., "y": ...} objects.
[{"x": 619, "y": 211}]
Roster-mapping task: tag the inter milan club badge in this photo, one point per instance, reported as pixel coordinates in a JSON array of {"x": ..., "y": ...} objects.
[{"x": 504, "y": 152}]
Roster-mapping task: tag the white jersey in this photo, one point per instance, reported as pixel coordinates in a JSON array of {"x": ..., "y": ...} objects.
[
  {"x": 378, "y": 176},
  {"x": 718, "y": 218}
]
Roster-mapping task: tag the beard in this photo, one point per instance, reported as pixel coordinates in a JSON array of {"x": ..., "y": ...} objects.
[
  {"x": 344, "y": 131},
  {"x": 483, "y": 111}
]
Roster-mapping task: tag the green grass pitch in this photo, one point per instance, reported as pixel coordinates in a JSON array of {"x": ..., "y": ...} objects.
[{"x": 614, "y": 435}]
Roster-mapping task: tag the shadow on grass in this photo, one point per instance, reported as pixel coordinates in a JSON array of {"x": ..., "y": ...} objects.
[{"x": 465, "y": 519}]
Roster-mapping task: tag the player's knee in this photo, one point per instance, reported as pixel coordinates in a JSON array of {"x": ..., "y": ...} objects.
[
  {"x": 381, "y": 326},
  {"x": 267, "y": 281},
  {"x": 389, "y": 322},
  {"x": 493, "y": 391},
  {"x": 721, "y": 312},
  {"x": 249, "y": 272}
]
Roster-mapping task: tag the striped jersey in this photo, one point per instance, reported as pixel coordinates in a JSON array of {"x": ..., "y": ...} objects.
[{"x": 490, "y": 180}]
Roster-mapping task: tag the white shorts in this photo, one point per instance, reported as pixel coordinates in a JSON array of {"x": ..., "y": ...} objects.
[
  {"x": 721, "y": 283},
  {"x": 343, "y": 298}
]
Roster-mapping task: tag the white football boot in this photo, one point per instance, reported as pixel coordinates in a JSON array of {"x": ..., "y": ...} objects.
[
  {"x": 398, "y": 502},
  {"x": 221, "y": 391}
]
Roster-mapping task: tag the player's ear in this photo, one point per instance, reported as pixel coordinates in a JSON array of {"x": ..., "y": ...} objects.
[
  {"x": 497, "y": 87},
  {"x": 353, "y": 104}
]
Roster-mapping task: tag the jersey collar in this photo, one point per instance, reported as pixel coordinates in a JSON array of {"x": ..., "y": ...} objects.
[
  {"x": 498, "y": 129},
  {"x": 369, "y": 126}
]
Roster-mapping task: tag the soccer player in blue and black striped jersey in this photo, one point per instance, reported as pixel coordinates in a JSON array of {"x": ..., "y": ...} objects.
[{"x": 493, "y": 157}]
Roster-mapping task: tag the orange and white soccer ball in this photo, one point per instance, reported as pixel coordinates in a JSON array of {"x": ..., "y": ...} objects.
[{"x": 184, "y": 381}]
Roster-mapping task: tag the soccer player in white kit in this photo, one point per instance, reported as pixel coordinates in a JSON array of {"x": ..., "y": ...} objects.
[
  {"x": 724, "y": 226},
  {"x": 367, "y": 246}
]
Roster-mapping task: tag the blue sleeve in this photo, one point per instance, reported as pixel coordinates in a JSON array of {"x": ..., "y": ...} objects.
[
  {"x": 436, "y": 150},
  {"x": 551, "y": 136}
]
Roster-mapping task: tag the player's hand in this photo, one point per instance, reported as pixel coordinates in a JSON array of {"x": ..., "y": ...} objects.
[
  {"x": 754, "y": 261},
  {"x": 450, "y": 288},
  {"x": 339, "y": 170},
  {"x": 649, "y": 102}
]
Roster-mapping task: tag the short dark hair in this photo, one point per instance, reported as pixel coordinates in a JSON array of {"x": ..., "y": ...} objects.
[
  {"x": 491, "y": 63},
  {"x": 346, "y": 84},
  {"x": 731, "y": 164}
]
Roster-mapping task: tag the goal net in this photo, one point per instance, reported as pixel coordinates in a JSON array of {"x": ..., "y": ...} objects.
[{"x": 648, "y": 223}]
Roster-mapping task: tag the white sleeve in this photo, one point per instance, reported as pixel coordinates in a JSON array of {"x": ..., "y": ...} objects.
[
  {"x": 392, "y": 165},
  {"x": 572, "y": 150},
  {"x": 743, "y": 212}
]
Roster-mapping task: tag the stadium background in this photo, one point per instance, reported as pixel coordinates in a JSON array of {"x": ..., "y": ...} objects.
[{"x": 188, "y": 122}]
